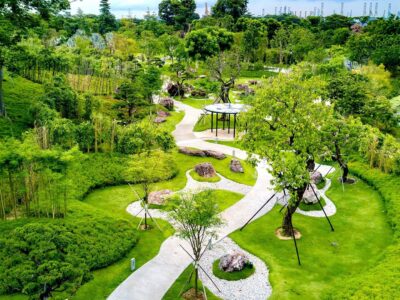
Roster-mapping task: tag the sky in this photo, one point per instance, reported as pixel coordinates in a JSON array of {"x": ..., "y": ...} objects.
[{"x": 137, "y": 8}]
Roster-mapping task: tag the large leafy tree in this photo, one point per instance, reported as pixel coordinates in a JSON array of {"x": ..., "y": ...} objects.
[
  {"x": 178, "y": 13},
  {"x": 284, "y": 127},
  {"x": 107, "y": 21},
  {"x": 15, "y": 18},
  {"x": 234, "y": 8}
]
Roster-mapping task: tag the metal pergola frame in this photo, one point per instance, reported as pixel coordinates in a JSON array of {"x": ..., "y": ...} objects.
[{"x": 226, "y": 113}]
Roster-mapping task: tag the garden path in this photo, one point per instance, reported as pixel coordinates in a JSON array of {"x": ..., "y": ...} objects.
[{"x": 154, "y": 278}]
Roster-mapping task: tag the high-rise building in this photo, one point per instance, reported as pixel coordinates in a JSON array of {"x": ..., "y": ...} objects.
[
  {"x": 322, "y": 9},
  {"x": 389, "y": 9},
  {"x": 376, "y": 9},
  {"x": 370, "y": 9},
  {"x": 342, "y": 8},
  {"x": 206, "y": 11},
  {"x": 365, "y": 9}
]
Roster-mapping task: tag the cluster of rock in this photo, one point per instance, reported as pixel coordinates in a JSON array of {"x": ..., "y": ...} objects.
[
  {"x": 202, "y": 153},
  {"x": 236, "y": 261},
  {"x": 205, "y": 170},
  {"x": 254, "y": 82},
  {"x": 161, "y": 116},
  {"x": 236, "y": 166},
  {"x": 158, "y": 197}
]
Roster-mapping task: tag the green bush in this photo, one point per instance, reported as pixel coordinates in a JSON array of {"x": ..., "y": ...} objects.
[
  {"x": 54, "y": 257},
  {"x": 381, "y": 281}
]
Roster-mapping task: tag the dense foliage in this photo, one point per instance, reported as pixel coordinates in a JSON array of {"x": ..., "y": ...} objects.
[{"x": 44, "y": 259}]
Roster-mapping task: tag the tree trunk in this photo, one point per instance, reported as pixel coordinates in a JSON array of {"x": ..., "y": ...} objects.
[
  {"x": 2, "y": 105},
  {"x": 287, "y": 219},
  {"x": 342, "y": 163},
  {"x": 196, "y": 280}
]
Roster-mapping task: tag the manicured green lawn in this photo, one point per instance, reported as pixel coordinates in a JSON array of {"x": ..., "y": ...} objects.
[
  {"x": 309, "y": 207},
  {"x": 234, "y": 144},
  {"x": 232, "y": 276},
  {"x": 197, "y": 177},
  {"x": 176, "y": 288},
  {"x": 196, "y": 103},
  {"x": 361, "y": 234},
  {"x": 172, "y": 121}
]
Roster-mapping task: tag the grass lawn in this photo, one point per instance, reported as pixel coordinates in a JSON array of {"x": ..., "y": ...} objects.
[
  {"x": 176, "y": 288},
  {"x": 234, "y": 144},
  {"x": 361, "y": 234},
  {"x": 197, "y": 177},
  {"x": 232, "y": 276},
  {"x": 310, "y": 207},
  {"x": 172, "y": 121},
  {"x": 196, "y": 102},
  {"x": 19, "y": 95},
  {"x": 114, "y": 201}
]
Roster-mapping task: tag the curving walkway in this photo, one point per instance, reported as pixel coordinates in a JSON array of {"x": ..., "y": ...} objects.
[{"x": 152, "y": 280}]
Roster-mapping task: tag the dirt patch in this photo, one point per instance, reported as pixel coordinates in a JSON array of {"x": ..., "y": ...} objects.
[
  {"x": 279, "y": 234},
  {"x": 191, "y": 295}
]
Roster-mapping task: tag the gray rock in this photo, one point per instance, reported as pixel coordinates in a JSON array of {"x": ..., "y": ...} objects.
[
  {"x": 205, "y": 170},
  {"x": 162, "y": 113},
  {"x": 236, "y": 261},
  {"x": 168, "y": 103},
  {"x": 236, "y": 166},
  {"x": 214, "y": 154},
  {"x": 158, "y": 197},
  {"x": 316, "y": 177},
  {"x": 202, "y": 153},
  {"x": 159, "y": 120},
  {"x": 192, "y": 152},
  {"x": 309, "y": 196}
]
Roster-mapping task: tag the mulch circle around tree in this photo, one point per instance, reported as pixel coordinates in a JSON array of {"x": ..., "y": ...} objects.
[
  {"x": 145, "y": 228},
  {"x": 191, "y": 295},
  {"x": 279, "y": 235}
]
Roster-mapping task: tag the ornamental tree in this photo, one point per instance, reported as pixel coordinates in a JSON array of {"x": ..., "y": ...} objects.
[
  {"x": 284, "y": 126},
  {"x": 197, "y": 217}
]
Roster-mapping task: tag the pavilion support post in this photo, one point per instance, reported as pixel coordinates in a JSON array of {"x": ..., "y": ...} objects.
[
  {"x": 229, "y": 123},
  {"x": 234, "y": 125},
  {"x": 223, "y": 121},
  {"x": 216, "y": 126},
  {"x": 212, "y": 121}
]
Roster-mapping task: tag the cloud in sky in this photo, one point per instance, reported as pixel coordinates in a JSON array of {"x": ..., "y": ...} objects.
[{"x": 139, "y": 7}]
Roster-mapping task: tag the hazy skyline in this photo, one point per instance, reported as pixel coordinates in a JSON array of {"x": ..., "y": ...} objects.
[{"x": 138, "y": 8}]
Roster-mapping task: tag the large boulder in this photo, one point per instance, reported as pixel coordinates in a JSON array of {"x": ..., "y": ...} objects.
[
  {"x": 159, "y": 120},
  {"x": 254, "y": 82},
  {"x": 192, "y": 152},
  {"x": 158, "y": 197},
  {"x": 198, "y": 93},
  {"x": 236, "y": 261},
  {"x": 236, "y": 166},
  {"x": 214, "y": 154},
  {"x": 316, "y": 177},
  {"x": 205, "y": 170},
  {"x": 202, "y": 153},
  {"x": 168, "y": 103},
  {"x": 309, "y": 196},
  {"x": 162, "y": 113},
  {"x": 174, "y": 90}
]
